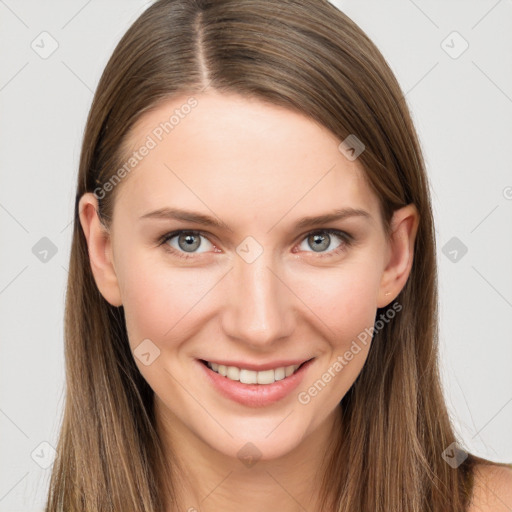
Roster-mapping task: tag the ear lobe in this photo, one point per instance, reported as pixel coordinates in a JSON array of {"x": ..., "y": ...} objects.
[
  {"x": 404, "y": 226},
  {"x": 100, "y": 249}
]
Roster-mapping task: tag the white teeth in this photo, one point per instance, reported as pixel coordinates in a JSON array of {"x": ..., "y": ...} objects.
[
  {"x": 279, "y": 373},
  {"x": 251, "y": 376},
  {"x": 233, "y": 373},
  {"x": 265, "y": 377},
  {"x": 248, "y": 376},
  {"x": 289, "y": 370}
]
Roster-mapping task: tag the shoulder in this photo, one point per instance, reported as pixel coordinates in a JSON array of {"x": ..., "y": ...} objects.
[{"x": 492, "y": 490}]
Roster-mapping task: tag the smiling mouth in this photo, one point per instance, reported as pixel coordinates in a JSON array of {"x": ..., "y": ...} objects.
[{"x": 246, "y": 376}]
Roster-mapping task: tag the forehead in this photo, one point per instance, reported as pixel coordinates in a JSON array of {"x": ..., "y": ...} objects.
[{"x": 231, "y": 153}]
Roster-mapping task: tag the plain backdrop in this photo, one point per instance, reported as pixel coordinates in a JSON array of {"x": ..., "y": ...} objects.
[{"x": 452, "y": 59}]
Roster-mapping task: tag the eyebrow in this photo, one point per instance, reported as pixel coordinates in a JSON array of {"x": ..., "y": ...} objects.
[{"x": 205, "y": 220}]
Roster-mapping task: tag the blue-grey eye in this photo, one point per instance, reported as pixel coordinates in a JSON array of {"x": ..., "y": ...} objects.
[
  {"x": 321, "y": 241},
  {"x": 188, "y": 242}
]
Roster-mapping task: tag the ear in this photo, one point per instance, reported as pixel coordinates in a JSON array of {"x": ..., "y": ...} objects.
[
  {"x": 404, "y": 226},
  {"x": 100, "y": 249}
]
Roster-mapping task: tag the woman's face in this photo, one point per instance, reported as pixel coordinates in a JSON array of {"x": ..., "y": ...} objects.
[{"x": 256, "y": 286}]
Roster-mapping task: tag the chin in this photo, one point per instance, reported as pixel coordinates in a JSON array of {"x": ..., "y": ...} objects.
[{"x": 259, "y": 439}]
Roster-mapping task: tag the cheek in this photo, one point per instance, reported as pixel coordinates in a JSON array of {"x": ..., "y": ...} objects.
[
  {"x": 345, "y": 301},
  {"x": 150, "y": 305},
  {"x": 343, "y": 298},
  {"x": 163, "y": 303},
  {"x": 159, "y": 301}
]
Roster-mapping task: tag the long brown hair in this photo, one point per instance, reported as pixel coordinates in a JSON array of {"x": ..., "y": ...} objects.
[{"x": 308, "y": 56}]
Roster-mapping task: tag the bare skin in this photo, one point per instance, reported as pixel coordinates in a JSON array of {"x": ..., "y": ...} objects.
[
  {"x": 259, "y": 168},
  {"x": 492, "y": 490}
]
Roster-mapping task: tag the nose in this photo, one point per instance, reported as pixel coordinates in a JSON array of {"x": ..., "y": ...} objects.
[{"x": 259, "y": 310}]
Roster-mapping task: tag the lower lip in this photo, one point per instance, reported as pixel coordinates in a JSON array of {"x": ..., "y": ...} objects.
[{"x": 255, "y": 395}]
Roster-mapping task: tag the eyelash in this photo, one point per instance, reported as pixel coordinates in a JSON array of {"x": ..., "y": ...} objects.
[{"x": 347, "y": 239}]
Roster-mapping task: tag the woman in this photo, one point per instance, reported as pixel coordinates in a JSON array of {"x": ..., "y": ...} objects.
[{"x": 251, "y": 317}]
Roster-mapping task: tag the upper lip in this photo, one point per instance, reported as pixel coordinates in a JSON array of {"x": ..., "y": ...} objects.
[{"x": 259, "y": 367}]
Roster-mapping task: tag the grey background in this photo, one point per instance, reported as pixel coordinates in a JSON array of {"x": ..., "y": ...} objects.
[{"x": 462, "y": 109}]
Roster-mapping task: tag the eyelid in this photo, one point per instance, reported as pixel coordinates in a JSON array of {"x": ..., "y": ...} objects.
[
  {"x": 347, "y": 240},
  {"x": 172, "y": 234}
]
